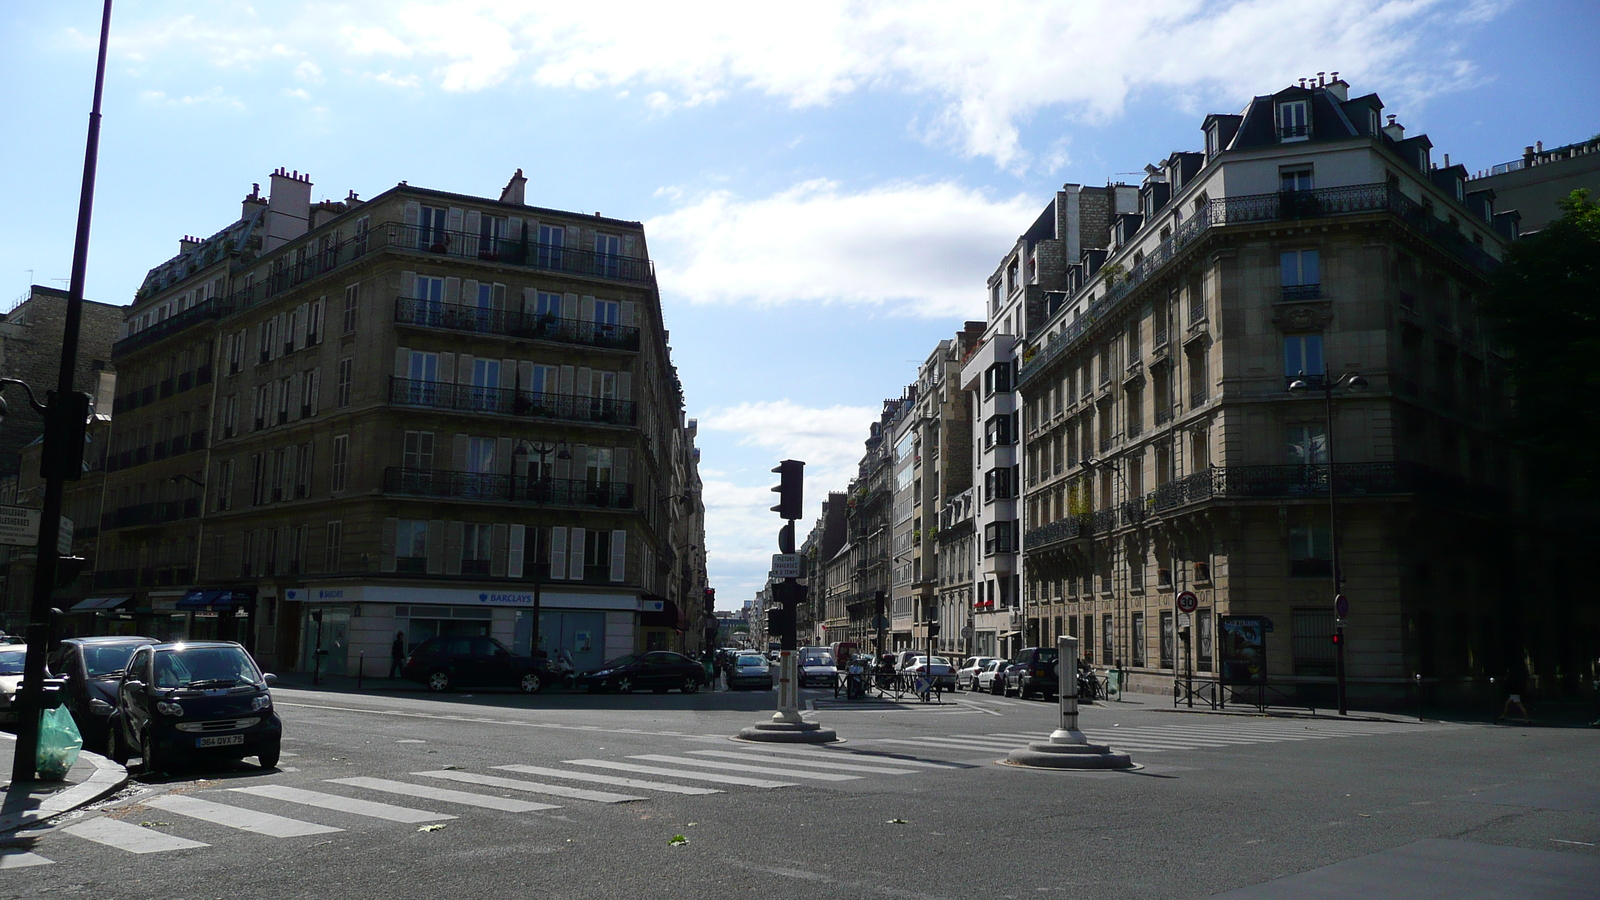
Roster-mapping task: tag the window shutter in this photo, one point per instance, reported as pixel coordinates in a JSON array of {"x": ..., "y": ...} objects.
[
  {"x": 408, "y": 284},
  {"x": 497, "y": 551},
  {"x": 580, "y": 461},
  {"x": 464, "y": 368},
  {"x": 447, "y": 368},
  {"x": 524, "y": 376},
  {"x": 572, "y": 236},
  {"x": 452, "y": 548},
  {"x": 296, "y": 391},
  {"x": 575, "y": 548},
  {"x": 619, "y": 556},
  {"x": 316, "y": 382},
  {"x": 458, "y": 452},
  {"x": 508, "y": 374},
  {"x": 558, "y": 552},
  {"x": 498, "y": 298},
  {"x": 390, "y": 526},
  {"x": 502, "y": 455},
  {"x": 319, "y": 316},
  {"x": 530, "y": 300},
  {"x": 514, "y": 551},
  {"x": 402, "y": 362},
  {"x": 586, "y": 308},
  {"x": 454, "y": 219},
  {"x": 469, "y": 292},
  {"x": 452, "y": 290},
  {"x": 624, "y": 385},
  {"x": 619, "y": 465},
  {"x": 564, "y": 467},
  {"x": 628, "y": 244},
  {"x": 568, "y": 373},
  {"x": 302, "y": 319},
  {"x": 474, "y": 220},
  {"x": 413, "y": 216},
  {"x": 569, "y": 306},
  {"x": 630, "y": 310},
  {"x": 514, "y": 227},
  {"x": 585, "y": 381}
]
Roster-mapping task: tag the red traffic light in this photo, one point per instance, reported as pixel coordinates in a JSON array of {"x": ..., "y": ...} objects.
[{"x": 1338, "y": 638}]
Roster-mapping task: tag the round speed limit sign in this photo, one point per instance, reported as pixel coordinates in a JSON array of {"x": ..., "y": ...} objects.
[{"x": 1188, "y": 602}]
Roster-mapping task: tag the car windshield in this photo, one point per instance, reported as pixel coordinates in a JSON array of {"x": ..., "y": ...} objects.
[
  {"x": 817, "y": 661},
  {"x": 11, "y": 661},
  {"x": 1048, "y": 654},
  {"x": 751, "y": 661},
  {"x": 110, "y": 659},
  {"x": 940, "y": 661},
  {"x": 204, "y": 667}
]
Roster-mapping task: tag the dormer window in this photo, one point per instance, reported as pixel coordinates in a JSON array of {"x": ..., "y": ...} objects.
[
  {"x": 1213, "y": 140},
  {"x": 1294, "y": 120},
  {"x": 1374, "y": 122}
]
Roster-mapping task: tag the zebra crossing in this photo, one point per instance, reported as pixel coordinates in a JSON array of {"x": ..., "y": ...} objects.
[
  {"x": 279, "y": 811},
  {"x": 1162, "y": 738}
]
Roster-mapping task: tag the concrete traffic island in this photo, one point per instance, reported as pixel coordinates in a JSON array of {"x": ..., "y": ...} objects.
[
  {"x": 1068, "y": 748},
  {"x": 786, "y": 726}
]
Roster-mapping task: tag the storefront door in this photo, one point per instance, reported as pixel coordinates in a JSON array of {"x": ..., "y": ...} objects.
[
  {"x": 581, "y": 634},
  {"x": 335, "y": 634}
]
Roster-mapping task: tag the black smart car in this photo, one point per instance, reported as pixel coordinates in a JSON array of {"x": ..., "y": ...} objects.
[
  {"x": 201, "y": 700},
  {"x": 91, "y": 668},
  {"x": 459, "y": 660}
]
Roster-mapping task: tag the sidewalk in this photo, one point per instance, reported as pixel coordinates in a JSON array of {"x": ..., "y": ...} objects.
[
  {"x": 1163, "y": 703},
  {"x": 26, "y": 804}
]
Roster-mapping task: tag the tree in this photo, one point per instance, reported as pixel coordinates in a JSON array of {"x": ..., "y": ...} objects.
[{"x": 1545, "y": 301}]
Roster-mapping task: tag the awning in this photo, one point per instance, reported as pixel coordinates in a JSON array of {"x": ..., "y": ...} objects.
[
  {"x": 102, "y": 604},
  {"x": 659, "y": 612},
  {"x": 217, "y": 600}
]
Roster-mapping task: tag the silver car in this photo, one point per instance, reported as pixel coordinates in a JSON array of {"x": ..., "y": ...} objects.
[
  {"x": 12, "y": 657},
  {"x": 991, "y": 678},
  {"x": 752, "y": 671}
]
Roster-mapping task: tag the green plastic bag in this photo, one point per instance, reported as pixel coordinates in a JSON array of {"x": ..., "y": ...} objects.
[{"x": 59, "y": 743}]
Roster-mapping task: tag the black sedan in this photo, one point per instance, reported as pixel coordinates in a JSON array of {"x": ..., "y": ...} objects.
[
  {"x": 458, "y": 660},
  {"x": 91, "y": 668},
  {"x": 202, "y": 700},
  {"x": 658, "y": 670}
]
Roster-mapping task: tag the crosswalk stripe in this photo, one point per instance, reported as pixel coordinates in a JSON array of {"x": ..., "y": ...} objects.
[
  {"x": 1242, "y": 733},
  {"x": 237, "y": 817},
  {"x": 444, "y": 795},
  {"x": 713, "y": 777},
  {"x": 852, "y": 754},
  {"x": 736, "y": 767},
  {"x": 970, "y": 748},
  {"x": 842, "y": 767},
  {"x": 1207, "y": 736},
  {"x": 614, "y": 780},
  {"x": 532, "y": 787},
  {"x": 1120, "y": 738},
  {"x": 337, "y": 803},
  {"x": 132, "y": 838},
  {"x": 21, "y": 859}
]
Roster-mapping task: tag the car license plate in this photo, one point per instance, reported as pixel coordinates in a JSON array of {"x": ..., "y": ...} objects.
[{"x": 219, "y": 740}]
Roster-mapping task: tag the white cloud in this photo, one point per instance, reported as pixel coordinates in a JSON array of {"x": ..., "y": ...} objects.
[
  {"x": 922, "y": 249},
  {"x": 991, "y": 69},
  {"x": 829, "y": 440}
]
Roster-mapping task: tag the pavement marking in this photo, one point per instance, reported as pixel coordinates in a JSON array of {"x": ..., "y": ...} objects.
[
  {"x": 858, "y": 754},
  {"x": 940, "y": 744},
  {"x": 613, "y": 780},
  {"x": 532, "y": 787},
  {"x": 132, "y": 838},
  {"x": 735, "y": 767},
  {"x": 21, "y": 859},
  {"x": 342, "y": 804},
  {"x": 237, "y": 817},
  {"x": 713, "y": 777},
  {"x": 411, "y": 741},
  {"x": 842, "y": 767},
  {"x": 977, "y": 708},
  {"x": 444, "y": 795}
]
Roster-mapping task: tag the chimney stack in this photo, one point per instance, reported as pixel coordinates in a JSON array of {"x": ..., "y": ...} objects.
[
  {"x": 513, "y": 193},
  {"x": 252, "y": 203},
  {"x": 1395, "y": 130},
  {"x": 288, "y": 208},
  {"x": 187, "y": 243},
  {"x": 1338, "y": 88}
]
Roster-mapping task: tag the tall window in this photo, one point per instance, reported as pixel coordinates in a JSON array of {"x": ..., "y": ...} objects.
[
  {"x": 1202, "y": 621},
  {"x": 341, "y": 462},
  {"x": 1294, "y": 178},
  {"x": 1137, "y": 637},
  {"x": 352, "y": 307},
  {"x": 1307, "y": 445},
  {"x": 424, "y": 375},
  {"x": 476, "y": 544},
  {"x": 302, "y": 482},
  {"x": 1168, "y": 640},
  {"x": 547, "y": 304},
  {"x": 431, "y": 229},
  {"x": 347, "y": 374},
  {"x": 225, "y": 484},
  {"x": 315, "y": 314},
  {"x": 481, "y": 455},
  {"x": 1105, "y": 640},
  {"x": 1302, "y": 355},
  {"x": 417, "y": 450},
  {"x": 1294, "y": 120},
  {"x": 334, "y": 547},
  {"x": 548, "y": 252},
  {"x": 1300, "y": 273},
  {"x": 491, "y": 231},
  {"x": 607, "y": 253},
  {"x": 485, "y": 383},
  {"x": 411, "y": 545},
  {"x": 1310, "y": 550},
  {"x": 430, "y": 298}
]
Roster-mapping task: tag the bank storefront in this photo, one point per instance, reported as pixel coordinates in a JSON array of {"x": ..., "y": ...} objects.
[{"x": 355, "y": 625}]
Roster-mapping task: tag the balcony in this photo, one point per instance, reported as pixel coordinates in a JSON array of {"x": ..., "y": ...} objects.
[
  {"x": 1198, "y": 398},
  {"x": 1163, "y": 415},
  {"x": 502, "y": 401},
  {"x": 1353, "y": 480},
  {"x": 522, "y": 252},
  {"x": 453, "y": 485},
  {"x": 1298, "y": 292},
  {"x": 148, "y": 514},
  {"x": 1061, "y": 530},
  {"x": 528, "y": 326}
]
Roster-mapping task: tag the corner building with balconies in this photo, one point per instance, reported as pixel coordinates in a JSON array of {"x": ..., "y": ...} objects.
[
  {"x": 426, "y": 413},
  {"x": 1163, "y": 449}
]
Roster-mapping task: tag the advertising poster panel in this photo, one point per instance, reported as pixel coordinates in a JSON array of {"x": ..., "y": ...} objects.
[{"x": 1242, "y": 654}]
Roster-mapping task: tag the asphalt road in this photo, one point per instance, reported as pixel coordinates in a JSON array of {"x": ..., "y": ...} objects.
[{"x": 401, "y": 794}]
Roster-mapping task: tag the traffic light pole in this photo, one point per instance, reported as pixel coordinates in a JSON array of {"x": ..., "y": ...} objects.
[{"x": 59, "y": 462}]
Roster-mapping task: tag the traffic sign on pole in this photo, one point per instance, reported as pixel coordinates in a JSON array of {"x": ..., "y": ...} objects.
[
  {"x": 1341, "y": 606},
  {"x": 1188, "y": 602},
  {"x": 785, "y": 565}
]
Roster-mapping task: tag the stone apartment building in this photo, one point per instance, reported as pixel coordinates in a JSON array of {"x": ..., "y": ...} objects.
[
  {"x": 1532, "y": 185},
  {"x": 422, "y": 413},
  {"x": 1165, "y": 452}
]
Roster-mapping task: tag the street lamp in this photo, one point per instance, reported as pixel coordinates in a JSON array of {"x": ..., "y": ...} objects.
[
  {"x": 1354, "y": 382},
  {"x": 519, "y": 459}
]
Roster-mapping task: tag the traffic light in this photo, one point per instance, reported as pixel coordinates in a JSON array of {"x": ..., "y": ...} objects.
[
  {"x": 1338, "y": 638},
  {"x": 791, "y": 482},
  {"x": 933, "y": 629},
  {"x": 711, "y": 601}
]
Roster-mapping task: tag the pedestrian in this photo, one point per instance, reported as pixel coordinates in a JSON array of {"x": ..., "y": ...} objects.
[
  {"x": 1516, "y": 684},
  {"x": 397, "y": 654}
]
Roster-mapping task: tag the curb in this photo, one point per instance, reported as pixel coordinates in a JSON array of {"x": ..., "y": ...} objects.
[
  {"x": 1283, "y": 714},
  {"x": 107, "y": 779}
]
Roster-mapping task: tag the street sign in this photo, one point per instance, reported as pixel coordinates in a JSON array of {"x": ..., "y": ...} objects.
[
  {"x": 1188, "y": 602},
  {"x": 785, "y": 565},
  {"x": 1341, "y": 606},
  {"x": 1183, "y": 620},
  {"x": 19, "y": 527}
]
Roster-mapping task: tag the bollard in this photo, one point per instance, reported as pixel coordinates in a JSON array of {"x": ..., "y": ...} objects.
[
  {"x": 1068, "y": 747},
  {"x": 361, "y": 668}
]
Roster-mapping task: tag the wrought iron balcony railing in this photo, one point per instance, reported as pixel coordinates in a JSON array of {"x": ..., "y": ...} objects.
[
  {"x": 455, "y": 485},
  {"x": 505, "y": 401},
  {"x": 521, "y": 252},
  {"x": 530, "y": 326}
]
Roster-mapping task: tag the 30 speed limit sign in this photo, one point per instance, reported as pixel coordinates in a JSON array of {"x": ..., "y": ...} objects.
[{"x": 1188, "y": 602}]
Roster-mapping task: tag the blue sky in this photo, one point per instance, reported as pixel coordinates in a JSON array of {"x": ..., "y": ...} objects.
[{"x": 824, "y": 190}]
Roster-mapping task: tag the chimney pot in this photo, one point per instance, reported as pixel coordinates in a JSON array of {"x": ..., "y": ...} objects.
[
  {"x": 1538, "y": 146},
  {"x": 1321, "y": 80}
]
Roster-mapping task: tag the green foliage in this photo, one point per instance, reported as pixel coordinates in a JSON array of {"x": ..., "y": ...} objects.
[{"x": 1546, "y": 303}]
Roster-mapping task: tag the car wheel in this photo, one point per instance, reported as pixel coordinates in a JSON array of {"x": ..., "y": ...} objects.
[
  {"x": 269, "y": 757},
  {"x": 623, "y": 685},
  {"x": 532, "y": 683},
  {"x": 147, "y": 752},
  {"x": 438, "y": 680},
  {"x": 691, "y": 685},
  {"x": 116, "y": 750}
]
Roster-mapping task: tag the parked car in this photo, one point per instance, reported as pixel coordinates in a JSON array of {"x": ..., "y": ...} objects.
[
  {"x": 937, "y": 667},
  {"x": 1033, "y": 671},
  {"x": 12, "y": 658},
  {"x": 92, "y": 668},
  {"x": 459, "y": 660},
  {"x": 750, "y": 670},
  {"x": 658, "y": 670},
  {"x": 197, "y": 700},
  {"x": 967, "y": 675},
  {"x": 904, "y": 659},
  {"x": 992, "y": 677},
  {"x": 817, "y": 668}
]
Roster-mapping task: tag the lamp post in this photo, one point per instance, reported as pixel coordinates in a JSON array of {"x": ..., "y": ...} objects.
[
  {"x": 60, "y": 430},
  {"x": 519, "y": 461},
  {"x": 1352, "y": 381}
]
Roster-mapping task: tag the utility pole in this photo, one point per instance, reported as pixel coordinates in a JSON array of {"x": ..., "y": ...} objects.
[{"x": 65, "y": 418}]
